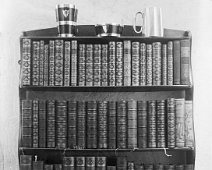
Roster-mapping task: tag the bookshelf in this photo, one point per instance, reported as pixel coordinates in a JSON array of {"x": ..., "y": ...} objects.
[{"x": 147, "y": 155}]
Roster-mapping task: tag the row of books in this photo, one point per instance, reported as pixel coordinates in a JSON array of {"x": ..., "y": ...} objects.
[
  {"x": 107, "y": 124},
  {"x": 96, "y": 163},
  {"x": 117, "y": 63}
]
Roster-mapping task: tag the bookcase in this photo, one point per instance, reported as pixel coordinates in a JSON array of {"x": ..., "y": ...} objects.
[{"x": 115, "y": 137}]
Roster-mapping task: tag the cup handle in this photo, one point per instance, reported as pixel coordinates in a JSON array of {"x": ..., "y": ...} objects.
[{"x": 134, "y": 25}]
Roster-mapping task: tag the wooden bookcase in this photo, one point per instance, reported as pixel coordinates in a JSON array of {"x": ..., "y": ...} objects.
[{"x": 86, "y": 34}]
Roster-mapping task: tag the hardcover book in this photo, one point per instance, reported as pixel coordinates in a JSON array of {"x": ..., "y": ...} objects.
[
  {"x": 170, "y": 66},
  {"x": 41, "y": 64},
  {"x": 35, "y": 63},
  {"x": 97, "y": 65},
  {"x": 48, "y": 167},
  {"x": 89, "y": 65},
  {"x": 121, "y": 163},
  {"x": 90, "y": 163},
  {"x": 135, "y": 63},
  {"x": 74, "y": 61},
  {"x": 179, "y": 167},
  {"x": 37, "y": 165},
  {"x": 46, "y": 66},
  {"x": 59, "y": 66},
  {"x": 25, "y": 162},
  {"x": 68, "y": 163},
  {"x": 169, "y": 167},
  {"x": 100, "y": 163},
  {"x": 164, "y": 64},
  {"x": 81, "y": 65},
  {"x": 35, "y": 124},
  {"x": 149, "y": 167},
  {"x": 67, "y": 63},
  {"x": 130, "y": 166},
  {"x": 127, "y": 63},
  {"x": 119, "y": 63},
  {"x": 80, "y": 163},
  {"x": 58, "y": 167},
  {"x": 104, "y": 66},
  {"x": 111, "y": 124},
  {"x": 189, "y": 167},
  {"x": 176, "y": 50},
  {"x": 112, "y": 64},
  {"x": 142, "y": 69},
  {"x": 51, "y": 62},
  {"x": 149, "y": 64},
  {"x": 159, "y": 167}
]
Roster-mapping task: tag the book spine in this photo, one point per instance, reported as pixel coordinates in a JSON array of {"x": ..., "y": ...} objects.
[
  {"x": 25, "y": 162},
  {"x": 121, "y": 124},
  {"x": 59, "y": 62},
  {"x": 35, "y": 124},
  {"x": 149, "y": 167},
  {"x": 139, "y": 167},
  {"x": 89, "y": 65},
  {"x": 35, "y": 63},
  {"x": 91, "y": 124},
  {"x": 61, "y": 124},
  {"x": 81, "y": 65},
  {"x": 90, "y": 163},
  {"x": 169, "y": 167},
  {"x": 97, "y": 65},
  {"x": 189, "y": 128},
  {"x": 179, "y": 167},
  {"x": 111, "y": 124},
  {"x": 142, "y": 124},
  {"x": 159, "y": 167},
  {"x": 48, "y": 167},
  {"x": 42, "y": 123},
  {"x": 180, "y": 122},
  {"x": 127, "y": 63},
  {"x": 72, "y": 124},
  {"x": 46, "y": 66},
  {"x": 58, "y": 167},
  {"x": 185, "y": 61},
  {"x": 112, "y": 63},
  {"x": 74, "y": 63},
  {"x": 68, "y": 163},
  {"x": 135, "y": 63},
  {"x": 156, "y": 63},
  {"x": 149, "y": 64},
  {"x": 41, "y": 64},
  {"x": 101, "y": 163},
  {"x": 37, "y": 165},
  {"x": 102, "y": 124},
  {"x": 142, "y": 75},
  {"x": 170, "y": 122},
  {"x": 80, "y": 163},
  {"x": 164, "y": 64},
  {"x": 132, "y": 124},
  {"x": 170, "y": 66},
  {"x": 26, "y": 62},
  {"x": 67, "y": 63},
  {"x": 51, "y": 62},
  {"x": 111, "y": 167},
  {"x": 130, "y": 165},
  {"x": 176, "y": 55},
  {"x": 104, "y": 72},
  {"x": 121, "y": 163},
  {"x": 51, "y": 112},
  {"x": 189, "y": 167},
  {"x": 26, "y": 137},
  {"x": 151, "y": 124},
  {"x": 119, "y": 63}
]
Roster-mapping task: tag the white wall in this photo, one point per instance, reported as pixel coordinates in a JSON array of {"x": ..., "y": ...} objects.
[{"x": 17, "y": 16}]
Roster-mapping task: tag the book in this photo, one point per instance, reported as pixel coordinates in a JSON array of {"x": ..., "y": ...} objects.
[
  {"x": 101, "y": 163},
  {"x": 104, "y": 66},
  {"x": 159, "y": 167},
  {"x": 80, "y": 163},
  {"x": 180, "y": 122},
  {"x": 189, "y": 167},
  {"x": 185, "y": 53},
  {"x": 68, "y": 163},
  {"x": 119, "y": 63},
  {"x": 81, "y": 65},
  {"x": 142, "y": 69},
  {"x": 48, "y": 167},
  {"x": 149, "y": 166},
  {"x": 90, "y": 163},
  {"x": 41, "y": 64},
  {"x": 42, "y": 123},
  {"x": 179, "y": 167},
  {"x": 25, "y": 162},
  {"x": 164, "y": 64},
  {"x": 26, "y": 122},
  {"x": 46, "y": 66},
  {"x": 35, "y": 124},
  {"x": 149, "y": 64},
  {"x": 51, "y": 62},
  {"x": 67, "y": 63},
  {"x": 127, "y": 63},
  {"x": 170, "y": 65},
  {"x": 135, "y": 63},
  {"x": 112, "y": 124},
  {"x": 112, "y": 63},
  {"x": 169, "y": 167},
  {"x": 58, "y": 167},
  {"x": 176, "y": 55},
  {"x": 74, "y": 61},
  {"x": 59, "y": 62},
  {"x": 111, "y": 167},
  {"x": 130, "y": 166},
  {"x": 26, "y": 62},
  {"x": 139, "y": 167},
  {"x": 37, "y": 165},
  {"x": 35, "y": 62},
  {"x": 89, "y": 65},
  {"x": 97, "y": 65},
  {"x": 121, "y": 163}
]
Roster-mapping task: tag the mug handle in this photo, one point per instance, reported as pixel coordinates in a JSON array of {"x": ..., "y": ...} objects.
[{"x": 134, "y": 25}]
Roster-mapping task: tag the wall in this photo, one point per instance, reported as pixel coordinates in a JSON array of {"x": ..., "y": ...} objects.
[{"x": 17, "y": 16}]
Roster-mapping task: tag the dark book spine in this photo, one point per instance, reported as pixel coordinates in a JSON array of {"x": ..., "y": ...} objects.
[
  {"x": 46, "y": 66},
  {"x": 176, "y": 55},
  {"x": 149, "y": 64},
  {"x": 61, "y": 124},
  {"x": 170, "y": 65},
  {"x": 26, "y": 121},
  {"x": 48, "y": 167},
  {"x": 139, "y": 167},
  {"x": 80, "y": 163},
  {"x": 189, "y": 167},
  {"x": 169, "y": 167},
  {"x": 97, "y": 65},
  {"x": 127, "y": 63},
  {"x": 164, "y": 64},
  {"x": 41, "y": 64},
  {"x": 152, "y": 124},
  {"x": 91, "y": 124},
  {"x": 37, "y": 165},
  {"x": 159, "y": 167},
  {"x": 119, "y": 64},
  {"x": 89, "y": 65},
  {"x": 111, "y": 167},
  {"x": 90, "y": 163},
  {"x": 25, "y": 162},
  {"x": 58, "y": 167},
  {"x": 132, "y": 124},
  {"x": 149, "y": 167},
  {"x": 156, "y": 63},
  {"x": 101, "y": 163},
  {"x": 135, "y": 63},
  {"x": 59, "y": 62},
  {"x": 51, "y": 112},
  {"x": 74, "y": 63},
  {"x": 179, "y": 167},
  {"x": 111, "y": 124},
  {"x": 104, "y": 66},
  {"x": 51, "y": 62},
  {"x": 35, "y": 124},
  {"x": 68, "y": 163},
  {"x": 121, "y": 163},
  {"x": 121, "y": 124},
  {"x": 185, "y": 61},
  {"x": 142, "y": 124},
  {"x": 72, "y": 124},
  {"x": 170, "y": 122},
  {"x": 35, "y": 63},
  {"x": 102, "y": 124},
  {"x": 142, "y": 74},
  {"x": 81, "y": 65},
  {"x": 81, "y": 124},
  {"x": 26, "y": 62},
  {"x": 112, "y": 63},
  {"x": 42, "y": 123},
  {"x": 67, "y": 63}
]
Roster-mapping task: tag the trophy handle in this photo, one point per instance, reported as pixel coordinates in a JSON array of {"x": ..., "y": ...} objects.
[{"x": 135, "y": 18}]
